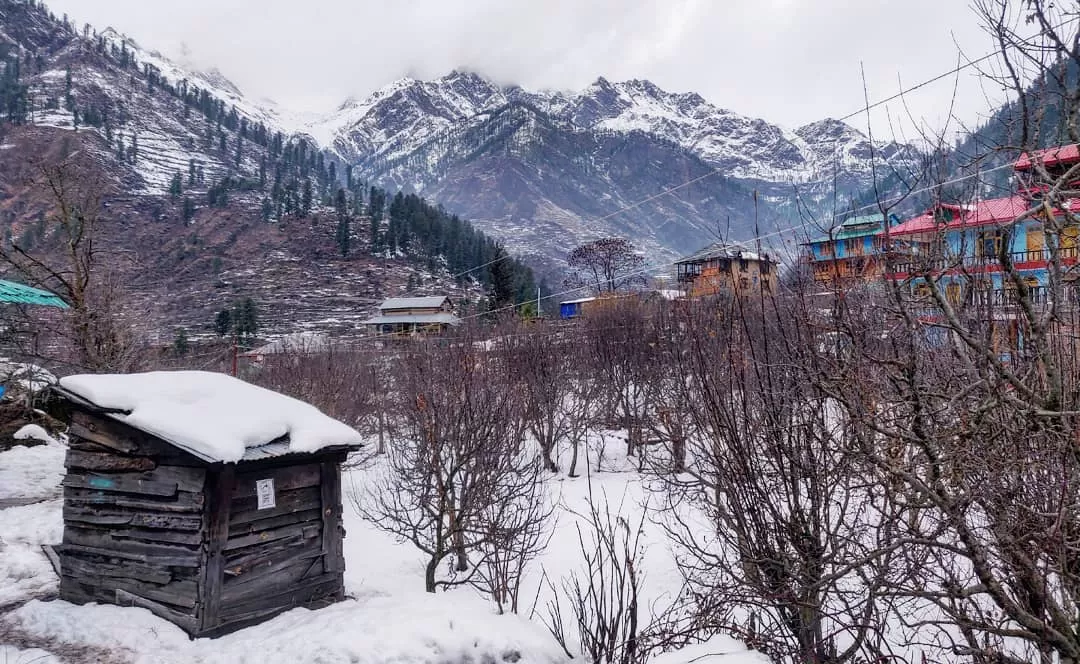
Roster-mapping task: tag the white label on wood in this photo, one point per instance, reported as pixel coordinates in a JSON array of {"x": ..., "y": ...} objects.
[{"x": 265, "y": 491}]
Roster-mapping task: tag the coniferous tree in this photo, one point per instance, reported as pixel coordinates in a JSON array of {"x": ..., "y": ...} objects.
[
  {"x": 181, "y": 346},
  {"x": 223, "y": 322},
  {"x": 501, "y": 278},
  {"x": 341, "y": 205},
  {"x": 189, "y": 209},
  {"x": 176, "y": 187},
  {"x": 245, "y": 320},
  {"x": 267, "y": 209},
  {"x": 306, "y": 198}
]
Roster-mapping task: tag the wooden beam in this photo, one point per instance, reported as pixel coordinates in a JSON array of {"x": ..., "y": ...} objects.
[
  {"x": 94, "y": 499},
  {"x": 106, "y": 462},
  {"x": 120, "y": 484},
  {"x": 285, "y": 479},
  {"x": 82, "y": 430},
  {"x": 221, "y": 485},
  {"x": 246, "y": 510},
  {"x": 128, "y": 569},
  {"x": 182, "y": 620},
  {"x": 300, "y": 530},
  {"x": 54, "y": 559},
  {"x": 103, "y": 543},
  {"x": 332, "y": 530}
]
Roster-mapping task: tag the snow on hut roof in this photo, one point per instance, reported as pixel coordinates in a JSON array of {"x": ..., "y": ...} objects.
[
  {"x": 430, "y": 302},
  {"x": 13, "y": 293},
  {"x": 214, "y": 416}
]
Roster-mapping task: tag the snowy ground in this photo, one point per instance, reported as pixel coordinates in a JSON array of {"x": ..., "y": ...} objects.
[{"x": 388, "y": 617}]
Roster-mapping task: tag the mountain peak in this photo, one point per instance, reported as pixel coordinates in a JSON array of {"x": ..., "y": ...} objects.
[
  {"x": 829, "y": 128},
  {"x": 214, "y": 77}
]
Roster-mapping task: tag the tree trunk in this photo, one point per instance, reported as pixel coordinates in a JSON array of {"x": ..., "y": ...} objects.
[
  {"x": 429, "y": 574},
  {"x": 460, "y": 553},
  {"x": 678, "y": 454}
]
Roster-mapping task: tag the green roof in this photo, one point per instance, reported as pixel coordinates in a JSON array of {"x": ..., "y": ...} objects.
[
  {"x": 854, "y": 227},
  {"x": 13, "y": 293}
]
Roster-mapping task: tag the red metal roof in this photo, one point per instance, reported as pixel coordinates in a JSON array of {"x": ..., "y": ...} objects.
[
  {"x": 1064, "y": 154},
  {"x": 992, "y": 211},
  {"x": 920, "y": 224}
]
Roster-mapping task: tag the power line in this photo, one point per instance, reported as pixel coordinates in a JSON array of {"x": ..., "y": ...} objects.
[{"x": 865, "y": 109}]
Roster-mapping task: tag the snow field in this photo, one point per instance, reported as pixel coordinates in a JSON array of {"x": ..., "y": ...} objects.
[{"x": 388, "y": 618}]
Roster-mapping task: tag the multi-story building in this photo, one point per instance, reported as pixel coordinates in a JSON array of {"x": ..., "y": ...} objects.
[
  {"x": 726, "y": 268},
  {"x": 850, "y": 252},
  {"x": 967, "y": 247}
]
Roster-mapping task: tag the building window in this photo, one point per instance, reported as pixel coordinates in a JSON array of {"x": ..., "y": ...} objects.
[
  {"x": 988, "y": 244},
  {"x": 954, "y": 293}
]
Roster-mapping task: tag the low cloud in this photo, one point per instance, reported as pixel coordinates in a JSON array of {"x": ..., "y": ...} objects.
[{"x": 787, "y": 61}]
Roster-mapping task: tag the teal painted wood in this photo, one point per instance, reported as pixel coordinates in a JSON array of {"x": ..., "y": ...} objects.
[{"x": 13, "y": 293}]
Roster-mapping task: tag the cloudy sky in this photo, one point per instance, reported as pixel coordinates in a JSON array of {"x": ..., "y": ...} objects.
[{"x": 789, "y": 61}]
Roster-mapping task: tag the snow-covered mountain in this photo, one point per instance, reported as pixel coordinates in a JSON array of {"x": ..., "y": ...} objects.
[
  {"x": 542, "y": 170},
  {"x": 535, "y": 167},
  {"x": 402, "y": 116}
]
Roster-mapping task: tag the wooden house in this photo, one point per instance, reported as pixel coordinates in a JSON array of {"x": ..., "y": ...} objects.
[
  {"x": 726, "y": 268},
  {"x": 211, "y": 502},
  {"x": 413, "y": 315},
  {"x": 852, "y": 252}
]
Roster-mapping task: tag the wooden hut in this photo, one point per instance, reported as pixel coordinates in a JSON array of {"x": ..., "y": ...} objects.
[{"x": 211, "y": 502}]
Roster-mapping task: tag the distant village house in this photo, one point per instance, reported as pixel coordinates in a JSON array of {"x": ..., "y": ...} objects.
[
  {"x": 414, "y": 315},
  {"x": 851, "y": 252},
  {"x": 726, "y": 268}
]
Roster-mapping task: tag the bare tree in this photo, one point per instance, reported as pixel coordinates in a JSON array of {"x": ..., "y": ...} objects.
[
  {"x": 74, "y": 187},
  {"x": 606, "y": 265},
  {"x": 799, "y": 553},
  {"x": 342, "y": 382},
  {"x": 549, "y": 366},
  {"x": 963, "y": 393},
  {"x": 458, "y": 482},
  {"x": 621, "y": 344},
  {"x": 604, "y": 597}
]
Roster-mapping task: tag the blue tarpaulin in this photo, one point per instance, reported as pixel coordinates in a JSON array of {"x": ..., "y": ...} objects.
[{"x": 13, "y": 293}]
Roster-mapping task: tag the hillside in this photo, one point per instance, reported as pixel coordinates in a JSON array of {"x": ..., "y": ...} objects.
[{"x": 210, "y": 203}]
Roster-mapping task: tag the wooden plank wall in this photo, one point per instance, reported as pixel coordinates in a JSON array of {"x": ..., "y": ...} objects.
[
  {"x": 277, "y": 558},
  {"x": 146, "y": 524},
  {"x": 134, "y": 525}
]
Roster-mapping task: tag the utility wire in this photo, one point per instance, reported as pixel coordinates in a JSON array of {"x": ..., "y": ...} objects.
[{"x": 864, "y": 109}]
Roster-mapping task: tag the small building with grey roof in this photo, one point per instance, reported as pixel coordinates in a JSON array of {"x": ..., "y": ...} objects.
[{"x": 414, "y": 315}]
